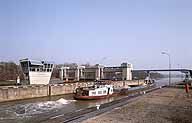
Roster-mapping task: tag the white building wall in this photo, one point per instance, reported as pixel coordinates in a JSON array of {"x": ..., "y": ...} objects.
[{"x": 39, "y": 77}]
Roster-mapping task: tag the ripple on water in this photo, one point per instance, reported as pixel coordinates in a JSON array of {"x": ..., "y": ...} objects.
[{"x": 26, "y": 110}]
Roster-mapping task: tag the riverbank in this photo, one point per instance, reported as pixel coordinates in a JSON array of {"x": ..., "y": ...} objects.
[{"x": 165, "y": 105}]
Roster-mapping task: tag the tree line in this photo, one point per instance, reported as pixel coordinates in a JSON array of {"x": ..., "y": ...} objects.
[{"x": 10, "y": 71}]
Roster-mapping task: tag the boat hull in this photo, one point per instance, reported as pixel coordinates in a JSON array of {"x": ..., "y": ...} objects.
[{"x": 77, "y": 97}]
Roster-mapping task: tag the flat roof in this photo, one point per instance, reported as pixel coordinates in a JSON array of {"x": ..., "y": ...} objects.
[{"x": 36, "y": 62}]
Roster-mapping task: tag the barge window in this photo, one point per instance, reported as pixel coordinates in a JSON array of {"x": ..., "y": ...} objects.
[
  {"x": 104, "y": 91},
  {"x": 99, "y": 92},
  {"x": 93, "y": 93},
  {"x": 85, "y": 93}
]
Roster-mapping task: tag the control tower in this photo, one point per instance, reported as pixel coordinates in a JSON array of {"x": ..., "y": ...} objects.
[{"x": 37, "y": 72}]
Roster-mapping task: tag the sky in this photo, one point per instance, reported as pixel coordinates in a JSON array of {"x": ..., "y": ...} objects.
[{"x": 107, "y": 32}]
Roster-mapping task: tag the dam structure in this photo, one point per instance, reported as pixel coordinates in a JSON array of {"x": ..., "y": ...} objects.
[{"x": 97, "y": 72}]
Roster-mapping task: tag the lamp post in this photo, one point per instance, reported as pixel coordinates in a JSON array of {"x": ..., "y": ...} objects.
[{"x": 165, "y": 53}]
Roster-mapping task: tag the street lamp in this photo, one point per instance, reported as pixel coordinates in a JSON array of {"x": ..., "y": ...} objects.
[{"x": 165, "y": 53}]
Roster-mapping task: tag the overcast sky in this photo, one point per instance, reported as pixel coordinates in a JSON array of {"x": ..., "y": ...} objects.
[{"x": 98, "y": 31}]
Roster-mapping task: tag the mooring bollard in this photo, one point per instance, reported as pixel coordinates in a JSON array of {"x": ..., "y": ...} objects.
[{"x": 97, "y": 106}]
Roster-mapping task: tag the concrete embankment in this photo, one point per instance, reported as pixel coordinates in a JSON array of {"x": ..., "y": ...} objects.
[{"x": 8, "y": 93}]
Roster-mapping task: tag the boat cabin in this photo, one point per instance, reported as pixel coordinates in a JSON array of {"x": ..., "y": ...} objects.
[{"x": 94, "y": 92}]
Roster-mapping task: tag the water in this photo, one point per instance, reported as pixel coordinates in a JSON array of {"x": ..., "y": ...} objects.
[
  {"x": 41, "y": 109},
  {"x": 165, "y": 81},
  {"x": 36, "y": 110},
  {"x": 29, "y": 109}
]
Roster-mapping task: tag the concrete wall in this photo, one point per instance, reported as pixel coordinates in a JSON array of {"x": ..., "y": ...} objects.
[
  {"x": 67, "y": 88},
  {"x": 22, "y": 92},
  {"x": 32, "y": 91},
  {"x": 126, "y": 84}
]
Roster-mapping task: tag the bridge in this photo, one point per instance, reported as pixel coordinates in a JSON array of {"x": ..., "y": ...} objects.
[
  {"x": 165, "y": 70},
  {"x": 187, "y": 72}
]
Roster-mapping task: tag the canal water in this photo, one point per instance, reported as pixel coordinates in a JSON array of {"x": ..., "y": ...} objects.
[{"x": 42, "y": 109}]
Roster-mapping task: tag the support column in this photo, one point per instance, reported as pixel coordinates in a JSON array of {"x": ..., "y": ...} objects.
[
  {"x": 77, "y": 75},
  {"x": 101, "y": 72},
  {"x": 97, "y": 73},
  {"x": 81, "y": 68},
  {"x": 65, "y": 73},
  {"x": 126, "y": 71},
  {"x": 61, "y": 73}
]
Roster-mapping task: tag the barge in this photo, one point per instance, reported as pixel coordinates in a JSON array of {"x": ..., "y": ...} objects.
[{"x": 97, "y": 91}]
